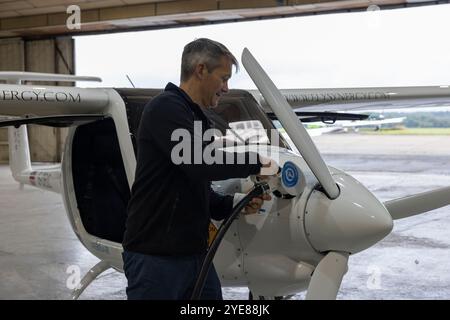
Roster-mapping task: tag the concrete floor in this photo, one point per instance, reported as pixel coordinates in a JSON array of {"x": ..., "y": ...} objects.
[
  {"x": 40, "y": 254},
  {"x": 37, "y": 246}
]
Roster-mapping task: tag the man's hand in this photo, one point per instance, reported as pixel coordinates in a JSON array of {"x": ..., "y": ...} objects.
[
  {"x": 269, "y": 168},
  {"x": 256, "y": 203}
]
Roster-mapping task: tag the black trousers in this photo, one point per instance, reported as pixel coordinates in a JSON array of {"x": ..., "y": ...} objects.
[{"x": 152, "y": 277}]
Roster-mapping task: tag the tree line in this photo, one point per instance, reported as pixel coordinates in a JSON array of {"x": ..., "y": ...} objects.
[{"x": 437, "y": 119}]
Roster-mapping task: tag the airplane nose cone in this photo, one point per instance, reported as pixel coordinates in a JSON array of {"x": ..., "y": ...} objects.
[{"x": 354, "y": 221}]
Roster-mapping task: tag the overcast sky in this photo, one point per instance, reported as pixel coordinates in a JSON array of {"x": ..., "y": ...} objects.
[{"x": 402, "y": 47}]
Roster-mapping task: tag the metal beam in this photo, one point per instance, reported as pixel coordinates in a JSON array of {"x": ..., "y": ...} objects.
[{"x": 17, "y": 18}]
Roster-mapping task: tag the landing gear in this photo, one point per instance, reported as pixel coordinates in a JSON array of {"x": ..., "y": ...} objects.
[{"x": 89, "y": 277}]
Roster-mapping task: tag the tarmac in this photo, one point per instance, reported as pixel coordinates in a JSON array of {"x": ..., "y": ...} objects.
[{"x": 40, "y": 255}]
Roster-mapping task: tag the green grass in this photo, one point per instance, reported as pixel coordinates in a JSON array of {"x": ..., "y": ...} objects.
[{"x": 409, "y": 131}]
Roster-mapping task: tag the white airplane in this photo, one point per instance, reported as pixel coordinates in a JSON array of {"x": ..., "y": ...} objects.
[
  {"x": 315, "y": 129},
  {"x": 377, "y": 124},
  {"x": 318, "y": 215}
]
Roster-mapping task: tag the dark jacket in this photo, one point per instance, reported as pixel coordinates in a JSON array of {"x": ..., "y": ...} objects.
[{"x": 171, "y": 205}]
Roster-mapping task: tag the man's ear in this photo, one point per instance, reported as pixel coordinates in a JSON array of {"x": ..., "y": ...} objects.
[{"x": 200, "y": 70}]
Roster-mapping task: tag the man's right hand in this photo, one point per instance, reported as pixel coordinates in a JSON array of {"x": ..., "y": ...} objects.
[{"x": 269, "y": 167}]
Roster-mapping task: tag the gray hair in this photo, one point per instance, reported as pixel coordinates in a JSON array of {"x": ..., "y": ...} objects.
[{"x": 204, "y": 51}]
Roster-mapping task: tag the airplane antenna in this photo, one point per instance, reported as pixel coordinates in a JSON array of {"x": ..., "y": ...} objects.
[{"x": 130, "y": 81}]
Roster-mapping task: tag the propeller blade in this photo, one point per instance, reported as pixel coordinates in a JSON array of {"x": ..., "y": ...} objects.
[
  {"x": 418, "y": 203},
  {"x": 327, "y": 276},
  {"x": 291, "y": 123}
]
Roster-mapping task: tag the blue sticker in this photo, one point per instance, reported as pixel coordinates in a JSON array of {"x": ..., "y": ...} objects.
[{"x": 289, "y": 175}]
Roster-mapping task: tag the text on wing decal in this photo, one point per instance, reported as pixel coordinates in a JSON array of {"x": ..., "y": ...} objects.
[
  {"x": 36, "y": 95},
  {"x": 336, "y": 96}
]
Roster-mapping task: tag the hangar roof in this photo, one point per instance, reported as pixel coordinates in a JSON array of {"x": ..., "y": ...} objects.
[{"x": 46, "y": 18}]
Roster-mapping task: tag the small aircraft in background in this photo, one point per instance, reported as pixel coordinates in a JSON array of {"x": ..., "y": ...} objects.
[
  {"x": 318, "y": 216},
  {"x": 377, "y": 123},
  {"x": 318, "y": 128}
]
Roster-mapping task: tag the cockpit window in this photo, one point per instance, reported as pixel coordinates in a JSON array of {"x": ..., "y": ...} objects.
[
  {"x": 236, "y": 108},
  {"x": 239, "y": 118}
]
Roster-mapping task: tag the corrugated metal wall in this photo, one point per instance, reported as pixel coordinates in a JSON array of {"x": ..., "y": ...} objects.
[{"x": 54, "y": 55}]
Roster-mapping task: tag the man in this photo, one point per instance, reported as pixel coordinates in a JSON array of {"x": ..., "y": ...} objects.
[{"x": 171, "y": 204}]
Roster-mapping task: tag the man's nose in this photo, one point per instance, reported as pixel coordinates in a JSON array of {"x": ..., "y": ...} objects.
[{"x": 225, "y": 87}]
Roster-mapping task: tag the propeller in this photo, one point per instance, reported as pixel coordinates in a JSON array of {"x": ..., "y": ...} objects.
[
  {"x": 418, "y": 203},
  {"x": 327, "y": 277},
  {"x": 342, "y": 221},
  {"x": 291, "y": 123}
]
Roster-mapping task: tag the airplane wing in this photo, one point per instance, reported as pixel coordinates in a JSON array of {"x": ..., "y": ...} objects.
[
  {"x": 19, "y": 100},
  {"x": 362, "y": 99},
  {"x": 326, "y": 117},
  {"x": 52, "y": 121}
]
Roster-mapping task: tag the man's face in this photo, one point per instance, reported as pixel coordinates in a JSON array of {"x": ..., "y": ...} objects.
[{"x": 215, "y": 82}]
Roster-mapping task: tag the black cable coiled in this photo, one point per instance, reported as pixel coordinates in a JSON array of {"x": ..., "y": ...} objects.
[{"x": 257, "y": 190}]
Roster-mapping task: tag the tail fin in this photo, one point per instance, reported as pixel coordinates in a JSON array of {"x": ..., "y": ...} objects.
[{"x": 19, "y": 152}]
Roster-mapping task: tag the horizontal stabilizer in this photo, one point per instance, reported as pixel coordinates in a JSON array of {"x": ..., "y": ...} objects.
[{"x": 419, "y": 203}]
